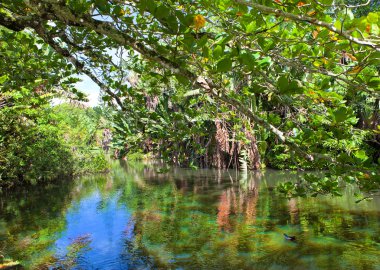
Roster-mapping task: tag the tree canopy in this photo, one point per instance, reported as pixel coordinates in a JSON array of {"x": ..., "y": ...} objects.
[{"x": 295, "y": 79}]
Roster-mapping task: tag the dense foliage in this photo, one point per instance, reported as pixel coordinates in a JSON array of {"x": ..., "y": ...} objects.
[
  {"x": 82, "y": 131},
  {"x": 38, "y": 142},
  {"x": 59, "y": 142},
  {"x": 287, "y": 83}
]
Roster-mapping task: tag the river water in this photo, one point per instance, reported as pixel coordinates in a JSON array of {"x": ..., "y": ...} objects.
[{"x": 137, "y": 218}]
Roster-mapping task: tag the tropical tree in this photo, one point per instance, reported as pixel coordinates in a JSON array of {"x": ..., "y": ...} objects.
[
  {"x": 302, "y": 76},
  {"x": 30, "y": 148}
]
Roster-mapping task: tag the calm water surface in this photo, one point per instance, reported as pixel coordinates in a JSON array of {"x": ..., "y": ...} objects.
[{"x": 136, "y": 218}]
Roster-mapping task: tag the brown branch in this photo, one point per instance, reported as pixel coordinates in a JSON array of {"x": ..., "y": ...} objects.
[
  {"x": 41, "y": 31},
  {"x": 311, "y": 20},
  {"x": 64, "y": 14},
  {"x": 12, "y": 22},
  {"x": 5, "y": 103}
]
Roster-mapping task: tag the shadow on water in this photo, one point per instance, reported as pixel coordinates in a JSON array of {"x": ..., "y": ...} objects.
[{"x": 136, "y": 218}]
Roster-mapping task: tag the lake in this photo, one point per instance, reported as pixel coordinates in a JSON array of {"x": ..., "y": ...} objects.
[{"x": 137, "y": 218}]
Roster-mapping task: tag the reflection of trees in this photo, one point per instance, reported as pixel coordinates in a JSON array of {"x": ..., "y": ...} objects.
[
  {"x": 224, "y": 211},
  {"x": 293, "y": 211},
  {"x": 240, "y": 200},
  {"x": 33, "y": 217},
  {"x": 177, "y": 216},
  {"x": 216, "y": 219},
  {"x": 208, "y": 219},
  {"x": 251, "y": 211}
]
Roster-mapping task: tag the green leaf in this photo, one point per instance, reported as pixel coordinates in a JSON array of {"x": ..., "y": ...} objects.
[
  {"x": 188, "y": 41},
  {"x": 118, "y": 11},
  {"x": 224, "y": 65},
  {"x": 3, "y": 79},
  {"x": 372, "y": 17},
  {"x": 248, "y": 59},
  {"x": 266, "y": 61},
  {"x": 375, "y": 29},
  {"x": 206, "y": 52},
  {"x": 250, "y": 27},
  {"x": 172, "y": 23},
  {"x": 338, "y": 24},
  {"x": 262, "y": 146},
  {"x": 225, "y": 39},
  {"x": 340, "y": 115},
  {"x": 374, "y": 58},
  {"x": 361, "y": 154},
  {"x": 162, "y": 12},
  {"x": 148, "y": 5},
  {"x": 256, "y": 88},
  {"x": 283, "y": 84},
  {"x": 102, "y": 5},
  {"x": 327, "y": 2},
  {"x": 374, "y": 83},
  {"x": 217, "y": 52},
  {"x": 182, "y": 79},
  {"x": 295, "y": 87}
]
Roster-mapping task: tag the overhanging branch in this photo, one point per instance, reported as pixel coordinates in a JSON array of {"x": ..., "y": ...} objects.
[
  {"x": 311, "y": 20},
  {"x": 78, "y": 65},
  {"x": 12, "y": 23}
]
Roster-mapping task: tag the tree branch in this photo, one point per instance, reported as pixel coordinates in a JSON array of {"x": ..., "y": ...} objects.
[
  {"x": 303, "y": 18},
  {"x": 41, "y": 31},
  {"x": 13, "y": 23}
]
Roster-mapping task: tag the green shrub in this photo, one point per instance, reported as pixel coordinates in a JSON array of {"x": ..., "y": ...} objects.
[
  {"x": 32, "y": 153},
  {"x": 53, "y": 143},
  {"x": 87, "y": 161}
]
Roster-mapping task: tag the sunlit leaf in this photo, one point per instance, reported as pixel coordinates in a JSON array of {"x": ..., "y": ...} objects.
[
  {"x": 250, "y": 27},
  {"x": 3, "y": 79},
  {"x": 355, "y": 70},
  {"x": 372, "y": 17},
  {"x": 217, "y": 51},
  {"x": 361, "y": 154}
]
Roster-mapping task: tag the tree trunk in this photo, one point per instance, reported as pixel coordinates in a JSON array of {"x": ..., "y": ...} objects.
[{"x": 253, "y": 152}]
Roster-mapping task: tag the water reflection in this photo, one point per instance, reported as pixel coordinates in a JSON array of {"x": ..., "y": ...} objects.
[
  {"x": 136, "y": 218},
  {"x": 104, "y": 221}
]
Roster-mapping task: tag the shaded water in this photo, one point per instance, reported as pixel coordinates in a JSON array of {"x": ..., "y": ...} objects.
[{"x": 135, "y": 218}]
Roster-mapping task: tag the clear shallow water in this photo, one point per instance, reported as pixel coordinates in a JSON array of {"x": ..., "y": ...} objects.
[{"x": 135, "y": 218}]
